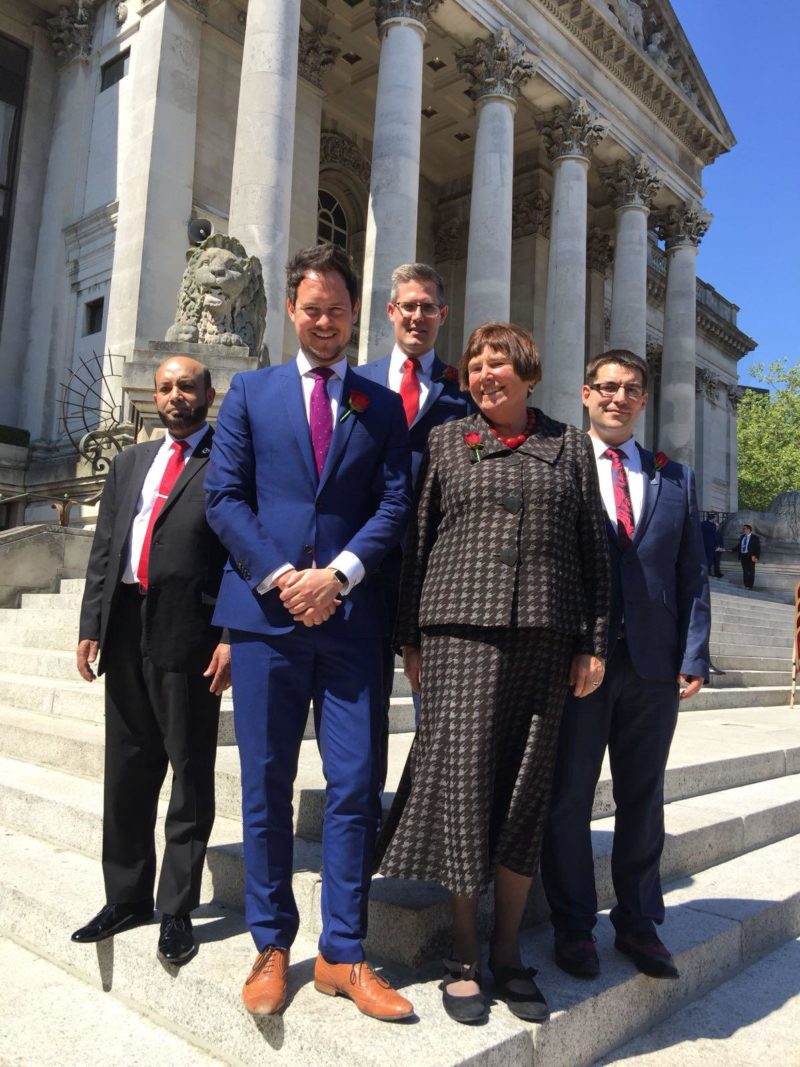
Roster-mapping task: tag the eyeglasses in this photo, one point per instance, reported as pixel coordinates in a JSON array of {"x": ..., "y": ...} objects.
[
  {"x": 610, "y": 389},
  {"x": 430, "y": 311}
]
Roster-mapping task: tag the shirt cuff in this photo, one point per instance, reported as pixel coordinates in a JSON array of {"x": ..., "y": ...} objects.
[
  {"x": 351, "y": 566},
  {"x": 272, "y": 577}
]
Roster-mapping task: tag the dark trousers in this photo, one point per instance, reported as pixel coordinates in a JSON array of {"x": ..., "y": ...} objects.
[
  {"x": 636, "y": 720},
  {"x": 155, "y": 719},
  {"x": 275, "y": 678},
  {"x": 712, "y": 558},
  {"x": 748, "y": 571}
]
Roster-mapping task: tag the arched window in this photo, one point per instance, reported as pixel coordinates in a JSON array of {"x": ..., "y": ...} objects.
[{"x": 331, "y": 220}]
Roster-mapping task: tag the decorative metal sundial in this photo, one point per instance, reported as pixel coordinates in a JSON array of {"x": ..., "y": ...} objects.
[{"x": 92, "y": 410}]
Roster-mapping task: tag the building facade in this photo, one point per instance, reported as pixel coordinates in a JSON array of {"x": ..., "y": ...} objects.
[{"x": 545, "y": 155}]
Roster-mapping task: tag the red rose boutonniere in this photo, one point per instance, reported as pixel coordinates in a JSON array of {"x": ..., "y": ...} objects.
[
  {"x": 474, "y": 441},
  {"x": 356, "y": 404},
  {"x": 661, "y": 460},
  {"x": 449, "y": 374}
]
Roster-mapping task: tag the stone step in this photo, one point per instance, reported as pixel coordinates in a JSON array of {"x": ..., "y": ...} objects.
[
  {"x": 717, "y": 698},
  {"x": 753, "y": 663},
  {"x": 701, "y": 831},
  {"x": 751, "y": 1019},
  {"x": 739, "y": 644},
  {"x": 59, "y": 1019},
  {"x": 62, "y": 602},
  {"x": 722, "y": 920},
  {"x": 746, "y": 679},
  {"x": 72, "y": 585},
  {"x": 758, "y": 629}
]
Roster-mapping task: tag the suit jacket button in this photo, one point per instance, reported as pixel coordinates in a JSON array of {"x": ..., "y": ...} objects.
[
  {"x": 512, "y": 504},
  {"x": 508, "y": 555},
  {"x": 308, "y": 549}
]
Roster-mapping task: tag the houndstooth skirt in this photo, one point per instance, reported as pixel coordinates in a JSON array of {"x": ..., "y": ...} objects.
[{"x": 475, "y": 790}]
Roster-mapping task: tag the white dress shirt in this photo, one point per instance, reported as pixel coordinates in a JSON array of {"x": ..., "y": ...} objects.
[
  {"x": 346, "y": 562},
  {"x": 148, "y": 496},
  {"x": 632, "y": 462},
  {"x": 745, "y": 544},
  {"x": 424, "y": 372}
]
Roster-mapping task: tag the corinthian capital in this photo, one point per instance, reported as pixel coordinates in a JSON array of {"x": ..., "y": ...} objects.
[
  {"x": 599, "y": 251},
  {"x": 316, "y": 52},
  {"x": 685, "y": 224},
  {"x": 419, "y": 10},
  {"x": 633, "y": 181},
  {"x": 71, "y": 30},
  {"x": 498, "y": 66},
  {"x": 573, "y": 132}
]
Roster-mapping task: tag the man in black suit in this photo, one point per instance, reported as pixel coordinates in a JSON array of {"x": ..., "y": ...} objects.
[
  {"x": 430, "y": 392},
  {"x": 749, "y": 552},
  {"x": 152, "y": 580}
]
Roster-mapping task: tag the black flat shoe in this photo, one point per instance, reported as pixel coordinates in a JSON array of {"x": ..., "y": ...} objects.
[
  {"x": 575, "y": 953},
  {"x": 176, "y": 943},
  {"x": 471, "y": 1010},
  {"x": 528, "y": 1004},
  {"x": 113, "y": 919}
]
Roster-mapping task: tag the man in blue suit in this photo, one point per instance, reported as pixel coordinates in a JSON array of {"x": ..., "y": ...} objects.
[
  {"x": 430, "y": 392},
  {"x": 308, "y": 489},
  {"x": 659, "y": 631}
]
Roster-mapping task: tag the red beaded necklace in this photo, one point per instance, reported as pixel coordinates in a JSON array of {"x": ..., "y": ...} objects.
[{"x": 517, "y": 439}]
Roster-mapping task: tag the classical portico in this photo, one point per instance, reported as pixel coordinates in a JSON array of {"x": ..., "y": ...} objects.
[{"x": 547, "y": 160}]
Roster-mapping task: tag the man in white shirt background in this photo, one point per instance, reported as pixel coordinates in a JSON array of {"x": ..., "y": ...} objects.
[
  {"x": 749, "y": 551},
  {"x": 657, "y": 656}
]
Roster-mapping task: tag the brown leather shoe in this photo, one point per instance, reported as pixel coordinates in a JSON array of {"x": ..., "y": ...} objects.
[
  {"x": 370, "y": 993},
  {"x": 264, "y": 992}
]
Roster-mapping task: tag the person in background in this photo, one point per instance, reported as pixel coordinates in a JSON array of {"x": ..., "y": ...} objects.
[{"x": 749, "y": 552}]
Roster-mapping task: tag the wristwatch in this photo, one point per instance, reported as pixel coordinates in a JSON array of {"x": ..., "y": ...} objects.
[{"x": 340, "y": 577}]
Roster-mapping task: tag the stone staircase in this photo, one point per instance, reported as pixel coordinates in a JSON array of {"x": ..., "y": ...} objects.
[{"x": 730, "y": 871}]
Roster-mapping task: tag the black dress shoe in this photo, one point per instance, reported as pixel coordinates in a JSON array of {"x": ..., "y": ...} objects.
[
  {"x": 648, "y": 953},
  {"x": 113, "y": 919},
  {"x": 176, "y": 943},
  {"x": 575, "y": 953},
  {"x": 473, "y": 1009},
  {"x": 522, "y": 995}
]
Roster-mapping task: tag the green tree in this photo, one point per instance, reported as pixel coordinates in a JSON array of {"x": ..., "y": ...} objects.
[{"x": 768, "y": 436}]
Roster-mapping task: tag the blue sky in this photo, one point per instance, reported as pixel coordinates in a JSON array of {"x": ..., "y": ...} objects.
[{"x": 750, "y": 53}]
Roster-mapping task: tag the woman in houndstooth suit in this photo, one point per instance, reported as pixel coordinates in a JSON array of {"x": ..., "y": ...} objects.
[{"x": 503, "y": 605}]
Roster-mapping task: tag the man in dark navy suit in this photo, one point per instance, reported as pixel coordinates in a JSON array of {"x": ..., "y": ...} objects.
[
  {"x": 657, "y": 656},
  {"x": 308, "y": 488},
  {"x": 430, "y": 392}
]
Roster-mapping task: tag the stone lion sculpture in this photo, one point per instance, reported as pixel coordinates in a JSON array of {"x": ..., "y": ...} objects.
[
  {"x": 221, "y": 299},
  {"x": 780, "y": 523}
]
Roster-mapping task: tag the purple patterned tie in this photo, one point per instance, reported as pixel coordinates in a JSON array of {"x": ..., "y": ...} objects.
[{"x": 320, "y": 418}]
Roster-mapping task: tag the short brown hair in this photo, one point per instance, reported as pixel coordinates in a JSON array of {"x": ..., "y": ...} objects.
[
  {"x": 623, "y": 358},
  {"x": 509, "y": 339},
  {"x": 416, "y": 272},
  {"x": 323, "y": 258}
]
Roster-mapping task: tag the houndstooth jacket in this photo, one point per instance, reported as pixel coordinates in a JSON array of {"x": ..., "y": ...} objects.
[{"x": 517, "y": 538}]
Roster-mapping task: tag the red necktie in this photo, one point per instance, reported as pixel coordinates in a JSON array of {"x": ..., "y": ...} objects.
[
  {"x": 171, "y": 474},
  {"x": 320, "y": 419},
  {"x": 409, "y": 389},
  {"x": 622, "y": 496}
]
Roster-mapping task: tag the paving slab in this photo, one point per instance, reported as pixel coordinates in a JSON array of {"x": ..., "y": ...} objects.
[{"x": 50, "y": 1018}]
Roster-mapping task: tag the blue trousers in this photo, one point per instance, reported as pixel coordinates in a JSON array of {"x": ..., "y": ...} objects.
[
  {"x": 275, "y": 678},
  {"x": 636, "y": 719}
]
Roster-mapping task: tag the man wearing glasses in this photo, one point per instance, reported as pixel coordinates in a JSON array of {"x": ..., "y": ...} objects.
[
  {"x": 429, "y": 390},
  {"x": 657, "y": 656}
]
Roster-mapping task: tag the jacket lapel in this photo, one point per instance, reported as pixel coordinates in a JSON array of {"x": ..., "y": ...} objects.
[
  {"x": 652, "y": 489},
  {"x": 192, "y": 467},
  {"x": 434, "y": 389},
  {"x": 341, "y": 430},
  {"x": 144, "y": 455},
  {"x": 294, "y": 405},
  {"x": 547, "y": 440}
]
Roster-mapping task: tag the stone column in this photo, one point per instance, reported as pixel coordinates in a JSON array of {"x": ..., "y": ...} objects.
[
  {"x": 155, "y": 175},
  {"x": 496, "y": 68},
  {"x": 261, "y": 188},
  {"x": 316, "y": 54},
  {"x": 394, "y": 176},
  {"x": 570, "y": 138},
  {"x": 599, "y": 253},
  {"x": 632, "y": 186},
  {"x": 530, "y": 232},
  {"x": 682, "y": 229}
]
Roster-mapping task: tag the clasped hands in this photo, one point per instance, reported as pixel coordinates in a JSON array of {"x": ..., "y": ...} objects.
[{"x": 311, "y": 596}]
